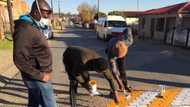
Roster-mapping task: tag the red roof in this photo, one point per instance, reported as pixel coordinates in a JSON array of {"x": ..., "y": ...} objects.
[
  {"x": 132, "y": 13},
  {"x": 170, "y": 9}
]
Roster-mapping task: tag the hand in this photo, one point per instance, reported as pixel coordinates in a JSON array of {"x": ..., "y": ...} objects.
[{"x": 46, "y": 77}]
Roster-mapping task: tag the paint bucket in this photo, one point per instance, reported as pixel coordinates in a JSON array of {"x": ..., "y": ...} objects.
[
  {"x": 162, "y": 90},
  {"x": 93, "y": 86}
]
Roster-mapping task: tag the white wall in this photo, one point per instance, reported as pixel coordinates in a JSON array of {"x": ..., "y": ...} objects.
[{"x": 132, "y": 21}]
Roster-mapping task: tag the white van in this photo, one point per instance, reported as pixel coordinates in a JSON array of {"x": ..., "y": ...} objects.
[{"x": 110, "y": 26}]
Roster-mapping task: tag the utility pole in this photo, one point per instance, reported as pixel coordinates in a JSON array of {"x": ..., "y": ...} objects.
[
  {"x": 52, "y": 4},
  {"x": 9, "y": 7},
  {"x": 98, "y": 6},
  {"x": 59, "y": 8},
  {"x": 137, "y": 5}
]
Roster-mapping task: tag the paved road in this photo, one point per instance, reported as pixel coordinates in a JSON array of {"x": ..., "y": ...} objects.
[{"x": 149, "y": 64}]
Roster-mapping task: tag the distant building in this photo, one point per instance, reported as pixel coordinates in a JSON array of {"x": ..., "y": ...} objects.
[
  {"x": 164, "y": 23},
  {"x": 132, "y": 17}
]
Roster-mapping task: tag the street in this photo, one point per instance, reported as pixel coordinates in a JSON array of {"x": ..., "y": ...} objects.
[{"x": 149, "y": 64}]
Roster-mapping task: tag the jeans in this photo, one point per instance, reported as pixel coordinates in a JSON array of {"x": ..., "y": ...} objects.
[{"x": 40, "y": 94}]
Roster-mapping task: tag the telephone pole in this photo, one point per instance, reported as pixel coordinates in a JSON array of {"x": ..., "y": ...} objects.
[
  {"x": 137, "y": 5},
  {"x": 9, "y": 7},
  {"x": 52, "y": 4},
  {"x": 98, "y": 6},
  {"x": 59, "y": 9}
]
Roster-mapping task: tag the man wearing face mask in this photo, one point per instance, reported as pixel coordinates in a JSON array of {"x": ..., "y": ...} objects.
[{"x": 33, "y": 57}]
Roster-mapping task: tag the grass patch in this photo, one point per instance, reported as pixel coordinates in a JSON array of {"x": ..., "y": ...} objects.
[{"x": 6, "y": 43}]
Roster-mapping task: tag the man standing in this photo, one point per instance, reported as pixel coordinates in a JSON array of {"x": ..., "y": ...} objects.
[
  {"x": 78, "y": 62},
  {"x": 33, "y": 57}
]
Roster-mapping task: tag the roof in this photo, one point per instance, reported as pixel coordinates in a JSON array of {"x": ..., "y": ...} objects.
[
  {"x": 132, "y": 13},
  {"x": 182, "y": 7}
]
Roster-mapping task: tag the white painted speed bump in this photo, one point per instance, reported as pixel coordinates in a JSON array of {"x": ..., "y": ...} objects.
[
  {"x": 144, "y": 100},
  {"x": 182, "y": 99}
]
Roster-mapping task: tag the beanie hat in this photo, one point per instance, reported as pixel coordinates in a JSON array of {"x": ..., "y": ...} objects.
[{"x": 120, "y": 49}]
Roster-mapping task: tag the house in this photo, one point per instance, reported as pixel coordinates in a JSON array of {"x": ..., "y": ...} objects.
[
  {"x": 132, "y": 17},
  {"x": 162, "y": 23}
]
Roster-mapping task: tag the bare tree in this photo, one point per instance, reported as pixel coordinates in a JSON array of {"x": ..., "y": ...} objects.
[{"x": 86, "y": 12}]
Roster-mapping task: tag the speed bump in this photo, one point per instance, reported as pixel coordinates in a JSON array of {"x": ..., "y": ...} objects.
[
  {"x": 122, "y": 99},
  {"x": 171, "y": 97},
  {"x": 166, "y": 99}
]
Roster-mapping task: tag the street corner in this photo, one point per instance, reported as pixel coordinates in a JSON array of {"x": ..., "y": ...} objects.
[{"x": 170, "y": 97}]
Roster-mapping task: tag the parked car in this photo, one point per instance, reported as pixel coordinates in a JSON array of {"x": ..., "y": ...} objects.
[
  {"x": 110, "y": 26},
  {"x": 48, "y": 33}
]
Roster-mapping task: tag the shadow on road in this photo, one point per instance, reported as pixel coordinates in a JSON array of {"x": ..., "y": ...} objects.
[{"x": 158, "y": 82}]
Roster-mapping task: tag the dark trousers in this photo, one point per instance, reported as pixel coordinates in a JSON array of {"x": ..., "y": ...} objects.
[
  {"x": 118, "y": 68},
  {"x": 75, "y": 76},
  {"x": 121, "y": 68}
]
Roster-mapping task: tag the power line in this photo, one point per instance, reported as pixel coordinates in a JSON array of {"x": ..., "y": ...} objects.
[{"x": 59, "y": 9}]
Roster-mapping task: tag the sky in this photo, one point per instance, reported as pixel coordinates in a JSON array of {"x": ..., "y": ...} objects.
[{"x": 111, "y": 5}]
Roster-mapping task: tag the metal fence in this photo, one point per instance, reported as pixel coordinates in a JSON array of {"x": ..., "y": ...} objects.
[{"x": 177, "y": 37}]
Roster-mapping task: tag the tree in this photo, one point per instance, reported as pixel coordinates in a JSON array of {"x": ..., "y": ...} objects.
[
  {"x": 86, "y": 12},
  {"x": 2, "y": 36}
]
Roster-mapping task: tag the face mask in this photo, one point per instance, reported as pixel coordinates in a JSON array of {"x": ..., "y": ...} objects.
[{"x": 44, "y": 21}]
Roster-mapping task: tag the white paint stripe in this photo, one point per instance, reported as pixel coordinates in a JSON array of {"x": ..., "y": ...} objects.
[
  {"x": 144, "y": 99},
  {"x": 183, "y": 99}
]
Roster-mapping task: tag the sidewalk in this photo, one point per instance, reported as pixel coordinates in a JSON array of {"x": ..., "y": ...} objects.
[{"x": 7, "y": 67}]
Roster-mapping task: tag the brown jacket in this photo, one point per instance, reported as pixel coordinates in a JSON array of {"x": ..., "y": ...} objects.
[{"x": 31, "y": 53}]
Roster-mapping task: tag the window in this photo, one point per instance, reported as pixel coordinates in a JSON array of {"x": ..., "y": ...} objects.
[
  {"x": 160, "y": 25},
  {"x": 117, "y": 24}
]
